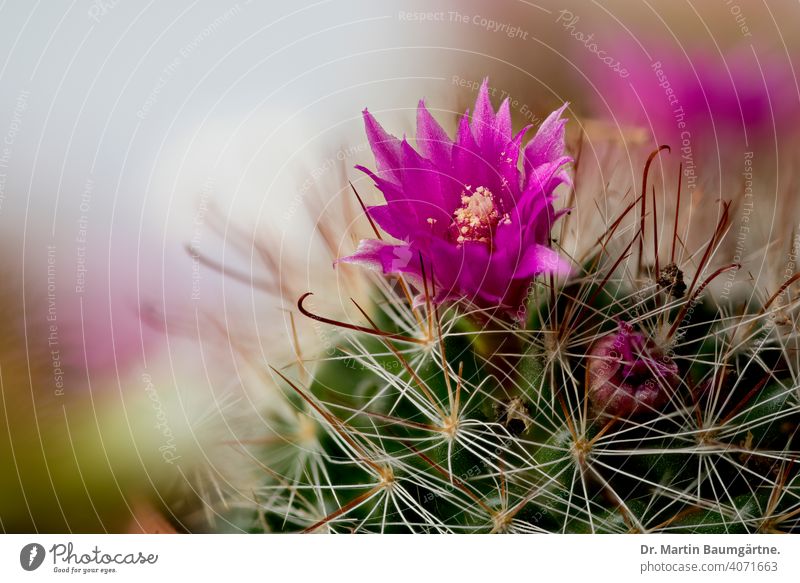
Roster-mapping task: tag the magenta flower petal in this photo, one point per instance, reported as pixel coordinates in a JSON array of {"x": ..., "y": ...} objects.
[
  {"x": 427, "y": 187},
  {"x": 389, "y": 219},
  {"x": 432, "y": 140},
  {"x": 385, "y": 147},
  {"x": 546, "y": 151},
  {"x": 549, "y": 175},
  {"x": 491, "y": 131},
  {"x": 384, "y": 257},
  {"x": 477, "y": 217},
  {"x": 548, "y": 144},
  {"x": 540, "y": 259}
]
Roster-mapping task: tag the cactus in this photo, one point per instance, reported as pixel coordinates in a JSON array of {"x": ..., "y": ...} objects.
[{"x": 626, "y": 394}]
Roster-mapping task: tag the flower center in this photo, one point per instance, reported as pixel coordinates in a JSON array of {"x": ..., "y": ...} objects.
[{"x": 478, "y": 216}]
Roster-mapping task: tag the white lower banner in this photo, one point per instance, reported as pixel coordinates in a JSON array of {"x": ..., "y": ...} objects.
[{"x": 382, "y": 558}]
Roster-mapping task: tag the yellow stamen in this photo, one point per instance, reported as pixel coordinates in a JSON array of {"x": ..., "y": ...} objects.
[{"x": 478, "y": 216}]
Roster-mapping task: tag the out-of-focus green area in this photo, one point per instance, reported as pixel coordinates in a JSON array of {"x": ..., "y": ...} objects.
[{"x": 75, "y": 456}]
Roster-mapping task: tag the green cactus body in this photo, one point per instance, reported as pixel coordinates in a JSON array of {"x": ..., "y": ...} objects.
[{"x": 455, "y": 418}]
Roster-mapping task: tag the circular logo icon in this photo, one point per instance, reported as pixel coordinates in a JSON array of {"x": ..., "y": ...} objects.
[{"x": 31, "y": 556}]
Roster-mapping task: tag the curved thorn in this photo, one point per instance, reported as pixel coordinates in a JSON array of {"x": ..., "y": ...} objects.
[
  {"x": 645, "y": 175},
  {"x": 781, "y": 289},
  {"x": 364, "y": 329}
]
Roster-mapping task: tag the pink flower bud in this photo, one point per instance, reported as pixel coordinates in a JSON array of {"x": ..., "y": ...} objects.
[{"x": 628, "y": 374}]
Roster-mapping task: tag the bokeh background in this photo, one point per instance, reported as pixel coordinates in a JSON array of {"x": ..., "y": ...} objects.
[{"x": 173, "y": 175}]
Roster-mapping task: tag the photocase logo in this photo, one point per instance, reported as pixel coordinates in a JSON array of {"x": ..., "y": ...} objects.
[{"x": 31, "y": 556}]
